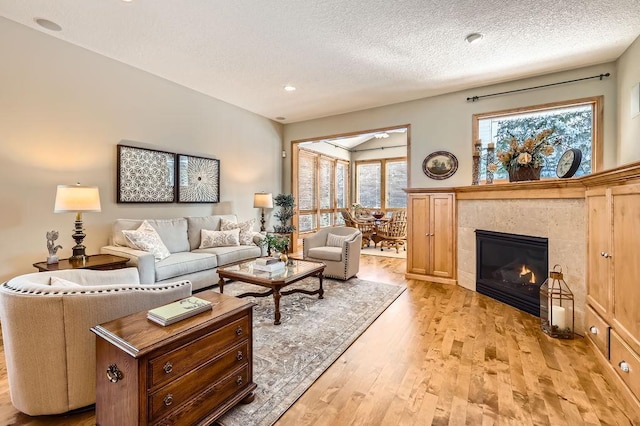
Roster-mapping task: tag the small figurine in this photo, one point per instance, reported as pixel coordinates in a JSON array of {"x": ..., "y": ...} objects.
[{"x": 52, "y": 236}]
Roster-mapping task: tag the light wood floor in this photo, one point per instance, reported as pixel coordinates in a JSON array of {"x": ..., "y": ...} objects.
[{"x": 440, "y": 355}]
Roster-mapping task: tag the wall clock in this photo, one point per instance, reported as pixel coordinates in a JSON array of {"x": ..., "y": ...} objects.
[{"x": 569, "y": 163}]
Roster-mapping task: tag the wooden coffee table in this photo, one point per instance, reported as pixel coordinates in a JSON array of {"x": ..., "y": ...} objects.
[{"x": 274, "y": 281}]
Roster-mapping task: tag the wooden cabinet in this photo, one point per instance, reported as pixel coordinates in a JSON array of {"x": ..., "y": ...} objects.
[
  {"x": 431, "y": 237},
  {"x": 613, "y": 270},
  {"x": 190, "y": 372}
]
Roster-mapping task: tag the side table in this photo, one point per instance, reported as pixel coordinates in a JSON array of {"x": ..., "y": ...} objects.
[
  {"x": 102, "y": 262},
  {"x": 188, "y": 373}
]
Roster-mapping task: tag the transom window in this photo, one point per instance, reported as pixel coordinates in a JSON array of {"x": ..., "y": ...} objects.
[{"x": 577, "y": 124}]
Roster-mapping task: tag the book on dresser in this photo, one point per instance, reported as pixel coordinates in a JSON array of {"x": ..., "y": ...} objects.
[{"x": 179, "y": 310}]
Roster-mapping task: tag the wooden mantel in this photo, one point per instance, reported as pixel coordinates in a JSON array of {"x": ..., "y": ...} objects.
[{"x": 545, "y": 188}]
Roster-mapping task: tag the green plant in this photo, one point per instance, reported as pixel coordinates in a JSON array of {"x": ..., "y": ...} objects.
[
  {"x": 279, "y": 243},
  {"x": 286, "y": 203}
]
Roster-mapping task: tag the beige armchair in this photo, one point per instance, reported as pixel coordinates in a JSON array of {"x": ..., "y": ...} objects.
[
  {"x": 48, "y": 345},
  {"x": 338, "y": 248}
]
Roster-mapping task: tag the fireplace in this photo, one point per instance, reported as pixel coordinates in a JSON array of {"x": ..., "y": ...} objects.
[{"x": 511, "y": 268}]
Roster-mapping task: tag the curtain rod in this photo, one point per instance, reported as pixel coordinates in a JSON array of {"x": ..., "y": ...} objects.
[
  {"x": 476, "y": 98},
  {"x": 374, "y": 149}
]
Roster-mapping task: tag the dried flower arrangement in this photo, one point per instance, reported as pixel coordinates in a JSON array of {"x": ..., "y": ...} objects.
[{"x": 529, "y": 153}]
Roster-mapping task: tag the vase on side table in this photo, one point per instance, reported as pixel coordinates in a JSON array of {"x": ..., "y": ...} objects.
[{"x": 517, "y": 174}]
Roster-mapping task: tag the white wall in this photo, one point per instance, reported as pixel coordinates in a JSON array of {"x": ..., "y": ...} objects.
[
  {"x": 628, "y": 67},
  {"x": 63, "y": 110},
  {"x": 443, "y": 123}
]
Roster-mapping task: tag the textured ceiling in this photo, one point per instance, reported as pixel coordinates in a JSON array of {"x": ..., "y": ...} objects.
[{"x": 342, "y": 55}]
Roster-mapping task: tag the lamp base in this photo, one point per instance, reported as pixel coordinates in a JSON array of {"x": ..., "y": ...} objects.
[
  {"x": 78, "y": 253},
  {"x": 262, "y": 228},
  {"x": 78, "y": 236}
]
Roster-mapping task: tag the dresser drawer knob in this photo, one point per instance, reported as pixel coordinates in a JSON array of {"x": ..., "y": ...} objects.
[
  {"x": 624, "y": 366},
  {"x": 239, "y": 381},
  {"x": 168, "y": 400},
  {"x": 239, "y": 356},
  {"x": 593, "y": 329},
  {"x": 239, "y": 331},
  {"x": 114, "y": 374},
  {"x": 168, "y": 367}
]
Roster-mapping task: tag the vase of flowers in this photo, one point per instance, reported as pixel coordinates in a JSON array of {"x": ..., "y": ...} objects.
[{"x": 524, "y": 160}]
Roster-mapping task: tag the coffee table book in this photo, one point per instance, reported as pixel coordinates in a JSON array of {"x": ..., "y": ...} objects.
[{"x": 179, "y": 310}]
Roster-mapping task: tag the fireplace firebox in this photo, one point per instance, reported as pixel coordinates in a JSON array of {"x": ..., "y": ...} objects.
[{"x": 511, "y": 268}]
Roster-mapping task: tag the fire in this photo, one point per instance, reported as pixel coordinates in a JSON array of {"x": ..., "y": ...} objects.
[{"x": 524, "y": 271}]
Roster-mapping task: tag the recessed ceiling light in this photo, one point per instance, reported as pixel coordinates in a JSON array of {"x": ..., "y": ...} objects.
[
  {"x": 281, "y": 118},
  {"x": 289, "y": 88},
  {"x": 47, "y": 24},
  {"x": 474, "y": 38}
]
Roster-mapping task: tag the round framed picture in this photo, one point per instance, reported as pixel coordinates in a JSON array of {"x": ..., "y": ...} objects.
[{"x": 440, "y": 165}]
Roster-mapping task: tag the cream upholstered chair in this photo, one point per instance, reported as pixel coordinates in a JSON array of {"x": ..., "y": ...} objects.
[
  {"x": 49, "y": 348},
  {"x": 338, "y": 248}
]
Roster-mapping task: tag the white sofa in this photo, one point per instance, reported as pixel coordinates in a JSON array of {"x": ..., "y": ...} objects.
[
  {"x": 49, "y": 348},
  {"x": 187, "y": 261}
]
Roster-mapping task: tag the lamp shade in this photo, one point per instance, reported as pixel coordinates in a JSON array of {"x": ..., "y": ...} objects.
[
  {"x": 77, "y": 198},
  {"x": 263, "y": 200}
]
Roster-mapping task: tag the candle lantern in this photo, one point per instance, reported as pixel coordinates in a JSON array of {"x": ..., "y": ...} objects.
[{"x": 556, "y": 306}]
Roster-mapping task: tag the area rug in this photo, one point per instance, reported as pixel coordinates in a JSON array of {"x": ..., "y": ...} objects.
[
  {"x": 289, "y": 357},
  {"x": 386, "y": 252}
]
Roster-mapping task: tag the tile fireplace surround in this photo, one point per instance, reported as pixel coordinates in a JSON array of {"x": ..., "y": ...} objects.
[{"x": 561, "y": 220}]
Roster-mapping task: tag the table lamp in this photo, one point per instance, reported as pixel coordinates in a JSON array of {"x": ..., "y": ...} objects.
[
  {"x": 77, "y": 199},
  {"x": 263, "y": 201}
]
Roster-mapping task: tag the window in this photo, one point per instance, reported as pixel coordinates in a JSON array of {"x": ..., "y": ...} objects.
[
  {"x": 380, "y": 183},
  {"x": 323, "y": 190},
  {"x": 576, "y": 123}
]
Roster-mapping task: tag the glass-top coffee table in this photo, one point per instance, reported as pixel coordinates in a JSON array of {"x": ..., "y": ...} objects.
[{"x": 274, "y": 281}]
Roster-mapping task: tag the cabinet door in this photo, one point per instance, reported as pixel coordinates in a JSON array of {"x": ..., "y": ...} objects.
[
  {"x": 442, "y": 260},
  {"x": 418, "y": 239},
  {"x": 626, "y": 261},
  {"x": 598, "y": 242}
]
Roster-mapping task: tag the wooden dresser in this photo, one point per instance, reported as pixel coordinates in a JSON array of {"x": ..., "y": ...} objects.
[{"x": 190, "y": 372}]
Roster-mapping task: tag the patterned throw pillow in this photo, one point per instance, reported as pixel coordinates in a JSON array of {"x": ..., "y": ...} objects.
[
  {"x": 219, "y": 238},
  {"x": 334, "y": 240},
  {"x": 246, "y": 230},
  {"x": 146, "y": 238}
]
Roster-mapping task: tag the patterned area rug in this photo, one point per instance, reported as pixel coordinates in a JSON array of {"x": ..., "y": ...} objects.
[{"x": 289, "y": 357}]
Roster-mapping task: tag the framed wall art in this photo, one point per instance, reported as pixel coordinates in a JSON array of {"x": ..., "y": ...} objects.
[
  {"x": 440, "y": 165},
  {"x": 198, "y": 179},
  {"x": 145, "y": 175}
]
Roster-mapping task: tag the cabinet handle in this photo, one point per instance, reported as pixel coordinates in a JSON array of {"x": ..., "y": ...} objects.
[
  {"x": 624, "y": 366},
  {"x": 239, "y": 331},
  {"x": 168, "y": 367},
  {"x": 239, "y": 356},
  {"x": 593, "y": 329},
  {"x": 605, "y": 255},
  {"x": 239, "y": 381},
  {"x": 114, "y": 374},
  {"x": 168, "y": 400}
]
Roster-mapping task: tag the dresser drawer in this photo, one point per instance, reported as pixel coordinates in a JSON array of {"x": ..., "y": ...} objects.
[
  {"x": 200, "y": 405},
  {"x": 598, "y": 331},
  {"x": 624, "y": 358},
  {"x": 185, "y": 358}
]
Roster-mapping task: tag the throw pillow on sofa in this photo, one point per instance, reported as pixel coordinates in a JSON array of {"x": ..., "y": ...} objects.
[
  {"x": 146, "y": 238},
  {"x": 246, "y": 230},
  {"x": 219, "y": 238}
]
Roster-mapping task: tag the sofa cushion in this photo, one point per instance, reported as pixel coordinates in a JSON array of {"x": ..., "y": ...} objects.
[
  {"x": 227, "y": 255},
  {"x": 197, "y": 223},
  {"x": 246, "y": 230},
  {"x": 326, "y": 253},
  {"x": 146, "y": 238},
  {"x": 220, "y": 238},
  {"x": 334, "y": 240},
  {"x": 184, "y": 263},
  {"x": 173, "y": 232},
  {"x": 61, "y": 282}
]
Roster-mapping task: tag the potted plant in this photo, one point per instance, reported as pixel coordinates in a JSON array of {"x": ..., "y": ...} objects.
[
  {"x": 277, "y": 242},
  {"x": 286, "y": 203}
]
